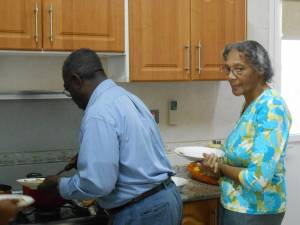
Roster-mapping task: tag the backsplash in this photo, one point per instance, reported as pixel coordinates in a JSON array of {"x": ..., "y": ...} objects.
[
  {"x": 29, "y": 158},
  {"x": 64, "y": 155}
]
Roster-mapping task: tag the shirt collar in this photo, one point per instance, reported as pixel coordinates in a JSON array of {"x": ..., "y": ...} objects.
[{"x": 100, "y": 89}]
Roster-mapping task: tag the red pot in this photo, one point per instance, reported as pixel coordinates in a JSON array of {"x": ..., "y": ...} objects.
[{"x": 44, "y": 199}]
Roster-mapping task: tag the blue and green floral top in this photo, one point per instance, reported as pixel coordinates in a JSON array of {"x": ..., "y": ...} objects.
[{"x": 258, "y": 143}]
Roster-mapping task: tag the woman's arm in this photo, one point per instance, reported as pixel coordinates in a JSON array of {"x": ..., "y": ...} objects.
[
  {"x": 217, "y": 166},
  {"x": 230, "y": 171}
]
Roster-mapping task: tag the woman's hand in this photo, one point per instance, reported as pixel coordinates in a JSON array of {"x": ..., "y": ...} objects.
[
  {"x": 8, "y": 210},
  {"x": 216, "y": 166},
  {"x": 211, "y": 163}
]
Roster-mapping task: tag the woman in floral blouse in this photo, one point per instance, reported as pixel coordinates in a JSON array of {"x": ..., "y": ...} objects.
[{"x": 252, "y": 182}]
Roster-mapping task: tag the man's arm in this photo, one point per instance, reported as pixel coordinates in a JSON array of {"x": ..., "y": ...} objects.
[{"x": 98, "y": 163}]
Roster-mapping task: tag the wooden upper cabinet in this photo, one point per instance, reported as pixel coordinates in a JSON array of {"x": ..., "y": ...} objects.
[
  {"x": 62, "y": 25},
  {"x": 182, "y": 40},
  {"x": 72, "y": 24},
  {"x": 214, "y": 23},
  {"x": 159, "y": 34},
  {"x": 20, "y": 24}
]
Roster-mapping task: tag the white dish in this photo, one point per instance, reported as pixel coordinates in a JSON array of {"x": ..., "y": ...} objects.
[
  {"x": 195, "y": 153},
  {"x": 179, "y": 181},
  {"x": 32, "y": 183},
  {"x": 23, "y": 200}
]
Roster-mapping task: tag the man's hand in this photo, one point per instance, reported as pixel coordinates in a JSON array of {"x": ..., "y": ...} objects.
[
  {"x": 8, "y": 210},
  {"x": 50, "y": 185}
]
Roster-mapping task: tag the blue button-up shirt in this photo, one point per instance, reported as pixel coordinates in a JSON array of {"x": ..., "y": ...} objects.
[{"x": 121, "y": 151}]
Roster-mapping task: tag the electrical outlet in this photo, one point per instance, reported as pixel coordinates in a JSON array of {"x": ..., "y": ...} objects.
[
  {"x": 172, "y": 109},
  {"x": 155, "y": 114},
  {"x": 168, "y": 148},
  {"x": 215, "y": 143}
]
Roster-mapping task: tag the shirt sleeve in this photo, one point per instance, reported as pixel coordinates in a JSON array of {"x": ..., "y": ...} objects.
[
  {"x": 272, "y": 131},
  {"x": 98, "y": 162}
]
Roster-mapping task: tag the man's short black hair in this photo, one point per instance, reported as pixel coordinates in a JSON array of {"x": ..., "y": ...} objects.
[{"x": 84, "y": 62}]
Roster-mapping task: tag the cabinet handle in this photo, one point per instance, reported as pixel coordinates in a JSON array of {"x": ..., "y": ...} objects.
[
  {"x": 50, "y": 11},
  {"x": 198, "y": 47},
  {"x": 36, "y": 12},
  {"x": 187, "y": 57}
]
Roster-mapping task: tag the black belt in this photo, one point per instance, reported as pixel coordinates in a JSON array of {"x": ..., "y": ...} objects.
[{"x": 144, "y": 195}]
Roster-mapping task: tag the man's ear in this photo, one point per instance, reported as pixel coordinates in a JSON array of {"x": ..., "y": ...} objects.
[{"x": 76, "y": 81}]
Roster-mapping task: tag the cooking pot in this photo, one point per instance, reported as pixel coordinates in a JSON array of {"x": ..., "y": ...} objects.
[
  {"x": 5, "y": 189},
  {"x": 43, "y": 199}
]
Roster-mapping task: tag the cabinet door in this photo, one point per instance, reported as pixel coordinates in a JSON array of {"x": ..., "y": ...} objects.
[
  {"x": 200, "y": 212},
  {"x": 214, "y": 23},
  {"x": 159, "y": 37},
  {"x": 72, "y": 24},
  {"x": 20, "y": 26}
]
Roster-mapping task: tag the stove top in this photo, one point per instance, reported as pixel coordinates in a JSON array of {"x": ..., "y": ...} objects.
[{"x": 65, "y": 215}]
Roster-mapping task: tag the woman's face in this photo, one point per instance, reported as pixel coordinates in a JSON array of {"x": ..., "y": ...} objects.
[{"x": 242, "y": 77}]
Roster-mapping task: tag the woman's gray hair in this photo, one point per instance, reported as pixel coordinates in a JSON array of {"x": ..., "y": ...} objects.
[{"x": 256, "y": 55}]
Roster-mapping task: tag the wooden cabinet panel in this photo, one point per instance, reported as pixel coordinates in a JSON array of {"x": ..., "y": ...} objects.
[
  {"x": 214, "y": 23},
  {"x": 159, "y": 34},
  {"x": 200, "y": 212},
  {"x": 171, "y": 39},
  {"x": 72, "y": 24},
  {"x": 62, "y": 25},
  {"x": 20, "y": 24}
]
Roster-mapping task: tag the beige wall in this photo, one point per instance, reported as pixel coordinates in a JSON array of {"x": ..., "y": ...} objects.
[{"x": 291, "y": 19}]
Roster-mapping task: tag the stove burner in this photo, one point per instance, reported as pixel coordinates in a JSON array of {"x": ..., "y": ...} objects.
[{"x": 42, "y": 215}]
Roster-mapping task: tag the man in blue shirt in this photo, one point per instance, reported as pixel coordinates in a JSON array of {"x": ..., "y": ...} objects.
[{"x": 121, "y": 161}]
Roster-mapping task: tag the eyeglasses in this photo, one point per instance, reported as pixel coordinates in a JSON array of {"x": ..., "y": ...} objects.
[
  {"x": 66, "y": 93},
  {"x": 236, "y": 71}
]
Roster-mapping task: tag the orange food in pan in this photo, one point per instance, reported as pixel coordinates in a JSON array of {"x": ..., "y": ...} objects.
[{"x": 195, "y": 171}]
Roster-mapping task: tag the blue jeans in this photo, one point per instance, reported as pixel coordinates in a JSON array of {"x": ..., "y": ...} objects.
[{"x": 163, "y": 207}]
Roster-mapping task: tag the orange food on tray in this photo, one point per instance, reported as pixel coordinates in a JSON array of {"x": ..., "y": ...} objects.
[{"x": 195, "y": 171}]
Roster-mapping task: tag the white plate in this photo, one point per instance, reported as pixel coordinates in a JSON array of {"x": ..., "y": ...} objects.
[
  {"x": 32, "y": 183},
  {"x": 24, "y": 200},
  {"x": 179, "y": 181},
  {"x": 195, "y": 153}
]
